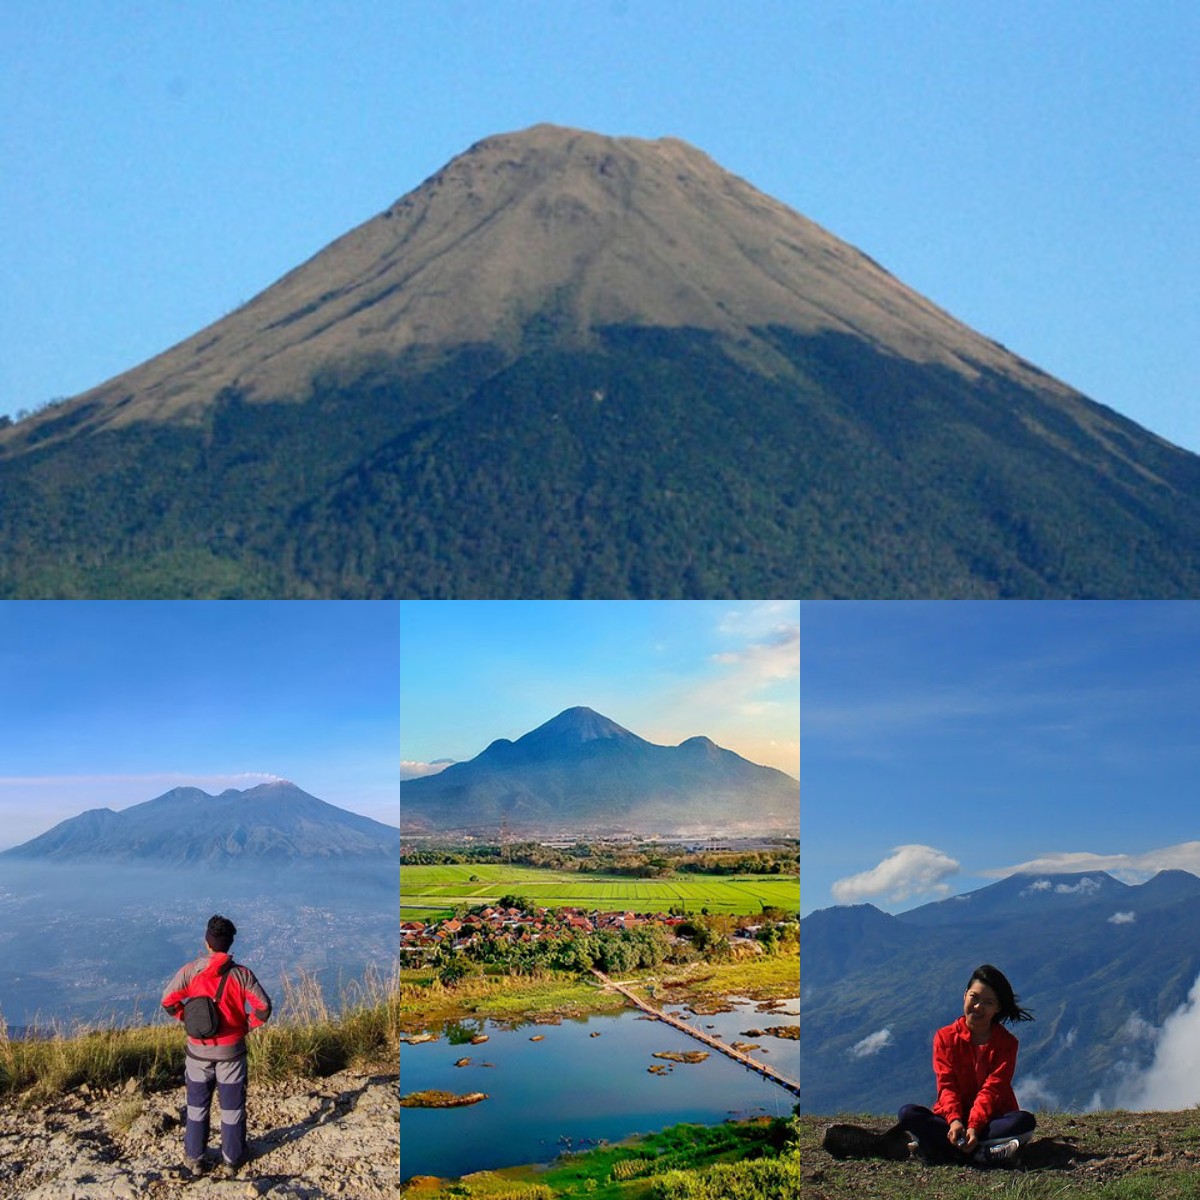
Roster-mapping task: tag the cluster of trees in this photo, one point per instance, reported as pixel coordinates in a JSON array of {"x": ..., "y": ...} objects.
[
  {"x": 611, "y": 951},
  {"x": 640, "y": 862},
  {"x": 614, "y": 951}
]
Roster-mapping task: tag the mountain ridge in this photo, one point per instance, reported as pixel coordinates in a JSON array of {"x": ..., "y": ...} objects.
[
  {"x": 273, "y": 822},
  {"x": 1125, "y": 947},
  {"x": 582, "y": 771}
]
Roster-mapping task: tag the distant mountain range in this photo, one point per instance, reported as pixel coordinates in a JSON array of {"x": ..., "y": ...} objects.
[
  {"x": 273, "y": 823},
  {"x": 1101, "y": 963},
  {"x": 582, "y": 773},
  {"x": 572, "y": 365}
]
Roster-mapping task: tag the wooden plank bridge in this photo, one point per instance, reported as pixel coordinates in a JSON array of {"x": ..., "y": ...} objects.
[{"x": 751, "y": 1063}]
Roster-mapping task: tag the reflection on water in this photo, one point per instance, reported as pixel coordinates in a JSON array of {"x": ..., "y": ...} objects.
[{"x": 573, "y": 1089}]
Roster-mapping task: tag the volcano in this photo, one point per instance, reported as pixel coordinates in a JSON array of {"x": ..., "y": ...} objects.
[
  {"x": 272, "y": 824},
  {"x": 572, "y": 365},
  {"x": 581, "y": 774}
]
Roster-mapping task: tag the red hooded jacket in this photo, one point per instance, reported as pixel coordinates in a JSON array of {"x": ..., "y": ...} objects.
[{"x": 974, "y": 1082}]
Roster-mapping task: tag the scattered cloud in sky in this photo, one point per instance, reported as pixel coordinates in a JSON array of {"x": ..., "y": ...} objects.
[
  {"x": 1122, "y": 918},
  {"x": 1042, "y": 885},
  {"x": 923, "y": 718},
  {"x": 908, "y": 871},
  {"x": 871, "y": 1044}
]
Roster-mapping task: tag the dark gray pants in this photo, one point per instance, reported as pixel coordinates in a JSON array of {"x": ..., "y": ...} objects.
[{"x": 229, "y": 1078}]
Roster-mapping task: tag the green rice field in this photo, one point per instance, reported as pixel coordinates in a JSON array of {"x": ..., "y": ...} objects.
[{"x": 429, "y": 891}]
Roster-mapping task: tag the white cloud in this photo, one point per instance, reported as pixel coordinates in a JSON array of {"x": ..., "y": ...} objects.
[
  {"x": 1036, "y": 1095},
  {"x": 1085, "y": 887},
  {"x": 1138, "y": 1029},
  {"x": 871, "y": 1044},
  {"x": 1122, "y": 918},
  {"x": 1129, "y": 868},
  {"x": 1042, "y": 885},
  {"x": 418, "y": 770},
  {"x": 1172, "y": 1081},
  {"x": 767, "y": 659},
  {"x": 908, "y": 871}
]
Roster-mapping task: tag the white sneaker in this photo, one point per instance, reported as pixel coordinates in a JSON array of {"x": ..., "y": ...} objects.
[{"x": 997, "y": 1152}]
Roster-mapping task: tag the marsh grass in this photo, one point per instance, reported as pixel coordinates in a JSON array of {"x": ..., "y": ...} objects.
[
  {"x": 424, "y": 1000},
  {"x": 748, "y": 1160},
  {"x": 305, "y": 1036}
]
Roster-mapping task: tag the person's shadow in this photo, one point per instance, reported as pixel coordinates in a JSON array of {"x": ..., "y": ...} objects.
[{"x": 1055, "y": 1154}]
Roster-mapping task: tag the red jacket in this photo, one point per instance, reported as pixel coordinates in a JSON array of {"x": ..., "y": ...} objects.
[
  {"x": 202, "y": 977},
  {"x": 974, "y": 1083}
]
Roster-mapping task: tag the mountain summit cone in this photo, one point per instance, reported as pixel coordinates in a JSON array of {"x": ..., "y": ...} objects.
[
  {"x": 552, "y": 234},
  {"x": 575, "y": 365}
]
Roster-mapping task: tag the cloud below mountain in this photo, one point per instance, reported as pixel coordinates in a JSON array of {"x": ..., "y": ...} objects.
[
  {"x": 871, "y": 1044},
  {"x": 1172, "y": 1080}
]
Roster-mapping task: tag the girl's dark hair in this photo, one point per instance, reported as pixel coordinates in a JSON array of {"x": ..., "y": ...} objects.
[{"x": 994, "y": 978}]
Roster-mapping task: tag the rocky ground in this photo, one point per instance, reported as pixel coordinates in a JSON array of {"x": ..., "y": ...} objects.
[{"x": 308, "y": 1139}]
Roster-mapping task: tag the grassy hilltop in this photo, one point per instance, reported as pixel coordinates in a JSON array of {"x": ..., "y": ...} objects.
[
  {"x": 1095, "y": 1156},
  {"x": 304, "y": 1037}
]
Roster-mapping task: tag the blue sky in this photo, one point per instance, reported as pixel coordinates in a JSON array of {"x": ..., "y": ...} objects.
[
  {"x": 1034, "y": 168},
  {"x": 947, "y": 743},
  {"x": 107, "y": 704},
  {"x": 472, "y": 672}
]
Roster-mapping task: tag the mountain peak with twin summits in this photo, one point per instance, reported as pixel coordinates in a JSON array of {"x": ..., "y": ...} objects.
[{"x": 274, "y": 822}]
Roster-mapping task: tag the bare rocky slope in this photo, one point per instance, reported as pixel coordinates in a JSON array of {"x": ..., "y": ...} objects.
[
  {"x": 308, "y": 1139},
  {"x": 607, "y": 231}
]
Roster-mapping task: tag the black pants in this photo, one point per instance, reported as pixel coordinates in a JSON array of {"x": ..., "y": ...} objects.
[{"x": 932, "y": 1130}]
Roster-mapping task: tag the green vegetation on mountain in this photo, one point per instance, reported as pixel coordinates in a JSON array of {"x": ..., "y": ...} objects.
[{"x": 657, "y": 466}]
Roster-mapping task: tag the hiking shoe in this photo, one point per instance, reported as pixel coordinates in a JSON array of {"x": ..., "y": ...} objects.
[
  {"x": 192, "y": 1168},
  {"x": 997, "y": 1153},
  {"x": 227, "y": 1170},
  {"x": 852, "y": 1141}
]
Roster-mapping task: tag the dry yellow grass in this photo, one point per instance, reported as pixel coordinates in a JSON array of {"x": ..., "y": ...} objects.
[{"x": 305, "y": 1037}]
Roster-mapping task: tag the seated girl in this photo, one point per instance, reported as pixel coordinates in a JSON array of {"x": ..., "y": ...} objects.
[{"x": 975, "y": 1116}]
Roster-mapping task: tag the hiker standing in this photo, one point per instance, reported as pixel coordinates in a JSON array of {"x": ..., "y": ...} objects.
[{"x": 219, "y": 1002}]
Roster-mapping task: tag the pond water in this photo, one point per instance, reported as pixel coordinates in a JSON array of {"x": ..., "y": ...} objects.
[{"x": 572, "y": 1089}]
